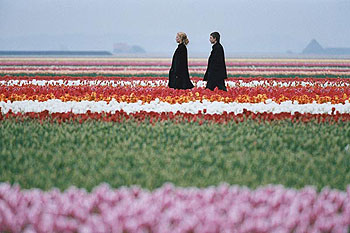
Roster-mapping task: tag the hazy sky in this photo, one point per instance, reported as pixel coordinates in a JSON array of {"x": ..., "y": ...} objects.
[{"x": 246, "y": 26}]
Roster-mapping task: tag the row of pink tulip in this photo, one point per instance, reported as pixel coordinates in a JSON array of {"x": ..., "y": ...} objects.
[
  {"x": 165, "y": 73},
  {"x": 202, "y": 68},
  {"x": 317, "y": 63},
  {"x": 172, "y": 209},
  {"x": 241, "y": 81}
]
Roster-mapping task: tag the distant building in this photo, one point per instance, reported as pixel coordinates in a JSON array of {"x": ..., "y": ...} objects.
[
  {"x": 125, "y": 48},
  {"x": 315, "y": 48}
]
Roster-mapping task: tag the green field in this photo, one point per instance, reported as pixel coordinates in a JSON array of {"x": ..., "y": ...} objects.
[{"x": 251, "y": 154}]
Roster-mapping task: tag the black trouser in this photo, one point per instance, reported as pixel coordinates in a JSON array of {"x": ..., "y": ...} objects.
[{"x": 211, "y": 84}]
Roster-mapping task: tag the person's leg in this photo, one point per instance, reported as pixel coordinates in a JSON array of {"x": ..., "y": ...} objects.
[
  {"x": 221, "y": 85},
  {"x": 178, "y": 82},
  {"x": 211, "y": 85},
  {"x": 172, "y": 81}
]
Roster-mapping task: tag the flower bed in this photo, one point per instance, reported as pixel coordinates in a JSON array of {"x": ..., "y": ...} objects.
[
  {"x": 160, "y": 67},
  {"x": 262, "y": 97},
  {"x": 79, "y": 122},
  {"x": 169, "y": 209}
]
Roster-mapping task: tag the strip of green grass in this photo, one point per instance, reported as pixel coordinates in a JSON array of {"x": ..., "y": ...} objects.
[{"x": 249, "y": 153}]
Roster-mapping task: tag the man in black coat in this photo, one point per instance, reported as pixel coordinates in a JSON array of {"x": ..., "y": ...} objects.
[{"x": 216, "y": 70}]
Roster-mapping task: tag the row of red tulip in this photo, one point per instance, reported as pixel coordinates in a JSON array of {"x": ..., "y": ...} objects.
[
  {"x": 178, "y": 117},
  {"x": 303, "y": 95}
]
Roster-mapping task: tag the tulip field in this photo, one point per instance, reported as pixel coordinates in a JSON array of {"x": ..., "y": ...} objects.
[{"x": 103, "y": 145}]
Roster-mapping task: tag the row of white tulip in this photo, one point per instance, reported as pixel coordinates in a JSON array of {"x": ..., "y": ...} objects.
[{"x": 58, "y": 106}]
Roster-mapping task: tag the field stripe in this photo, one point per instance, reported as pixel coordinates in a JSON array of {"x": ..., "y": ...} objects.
[{"x": 58, "y": 106}]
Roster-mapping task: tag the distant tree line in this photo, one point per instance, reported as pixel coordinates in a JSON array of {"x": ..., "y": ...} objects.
[{"x": 54, "y": 53}]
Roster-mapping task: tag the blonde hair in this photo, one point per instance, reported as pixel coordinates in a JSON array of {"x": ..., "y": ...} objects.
[{"x": 183, "y": 38}]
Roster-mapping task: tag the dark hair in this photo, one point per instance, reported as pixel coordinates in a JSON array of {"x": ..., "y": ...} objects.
[{"x": 216, "y": 35}]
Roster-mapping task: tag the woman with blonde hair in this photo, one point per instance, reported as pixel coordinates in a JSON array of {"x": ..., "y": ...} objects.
[{"x": 179, "y": 77}]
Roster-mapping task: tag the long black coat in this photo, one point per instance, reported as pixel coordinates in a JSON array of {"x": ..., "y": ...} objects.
[
  {"x": 216, "y": 70},
  {"x": 179, "y": 77}
]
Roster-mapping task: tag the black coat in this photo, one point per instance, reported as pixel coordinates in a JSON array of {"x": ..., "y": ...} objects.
[
  {"x": 179, "y": 77},
  {"x": 216, "y": 70}
]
